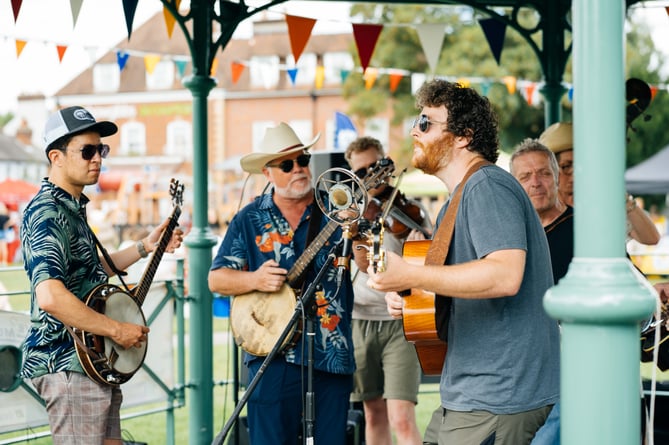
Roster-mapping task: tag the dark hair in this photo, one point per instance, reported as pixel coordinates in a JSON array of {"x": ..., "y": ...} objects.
[
  {"x": 361, "y": 144},
  {"x": 469, "y": 114},
  {"x": 59, "y": 144}
]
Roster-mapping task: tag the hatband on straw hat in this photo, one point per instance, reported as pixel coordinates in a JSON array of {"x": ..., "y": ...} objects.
[
  {"x": 558, "y": 137},
  {"x": 278, "y": 142}
]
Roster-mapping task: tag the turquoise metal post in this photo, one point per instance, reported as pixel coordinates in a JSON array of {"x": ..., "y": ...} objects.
[{"x": 601, "y": 300}]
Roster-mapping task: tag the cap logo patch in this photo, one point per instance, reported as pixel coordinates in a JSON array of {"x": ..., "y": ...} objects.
[{"x": 83, "y": 115}]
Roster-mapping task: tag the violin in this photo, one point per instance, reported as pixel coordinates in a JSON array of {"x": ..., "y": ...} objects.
[{"x": 403, "y": 216}]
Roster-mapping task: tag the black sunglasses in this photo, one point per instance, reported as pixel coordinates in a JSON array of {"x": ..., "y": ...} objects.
[
  {"x": 424, "y": 123},
  {"x": 287, "y": 165},
  {"x": 89, "y": 150},
  {"x": 362, "y": 172}
]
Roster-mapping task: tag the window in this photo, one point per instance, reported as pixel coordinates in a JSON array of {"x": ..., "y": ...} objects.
[
  {"x": 162, "y": 77},
  {"x": 264, "y": 71},
  {"x": 106, "y": 78},
  {"x": 179, "y": 139},
  {"x": 334, "y": 63},
  {"x": 133, "y": 139}
]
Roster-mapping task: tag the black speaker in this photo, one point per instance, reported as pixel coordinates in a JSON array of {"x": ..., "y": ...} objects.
[{"x": 325, "y": 160}]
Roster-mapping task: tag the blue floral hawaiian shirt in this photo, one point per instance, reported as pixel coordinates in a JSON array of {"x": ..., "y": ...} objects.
[
  {"x": 258, "y": 233},
  {"x": 57, "y": 244}
]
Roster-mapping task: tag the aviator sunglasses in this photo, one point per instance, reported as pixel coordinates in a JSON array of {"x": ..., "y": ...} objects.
[
  {"x": 287, "y": 165},
  {"x": 89, "y": 150},
  {"x": 424, "y": 123}
]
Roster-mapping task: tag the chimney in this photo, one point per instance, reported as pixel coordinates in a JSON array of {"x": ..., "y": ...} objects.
[{"x": 24, "y": 134}]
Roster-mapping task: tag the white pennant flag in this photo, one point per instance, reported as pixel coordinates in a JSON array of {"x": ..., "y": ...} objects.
[{"x": 431, "y": 36}]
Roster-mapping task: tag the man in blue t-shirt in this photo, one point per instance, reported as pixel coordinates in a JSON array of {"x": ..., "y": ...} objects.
[{"x": 500, "y": 378}]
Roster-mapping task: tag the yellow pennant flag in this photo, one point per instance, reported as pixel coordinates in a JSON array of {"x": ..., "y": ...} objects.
[
  {"x": 169, "y": 18},
  {"x": 510, "y": 83},
  {"x": 466, "y": 83},
  {"x": 319, "y": 79},
  {"x": 20, "y": 44},
  {"x": 214, "y": 67},
  {"x": 150, "y": 62},
  {"x": 370, "y": 77}
]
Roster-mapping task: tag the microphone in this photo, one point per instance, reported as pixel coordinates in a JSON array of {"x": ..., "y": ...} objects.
[
  {"x": 341, "y": 196},
  {"x": 344, "y": 259}
]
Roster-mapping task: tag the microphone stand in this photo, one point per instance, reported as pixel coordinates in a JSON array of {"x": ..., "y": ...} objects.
[{"x": 304, "y": 304}]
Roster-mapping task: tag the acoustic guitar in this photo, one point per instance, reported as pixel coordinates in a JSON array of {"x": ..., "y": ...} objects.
[
  {"x": 418, "y": 316},
  {"x": 257, "y": 319},
  {"x": 103, "y": 360}
]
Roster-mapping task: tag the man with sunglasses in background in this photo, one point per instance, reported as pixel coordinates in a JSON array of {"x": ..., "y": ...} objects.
[
  {"x": 387, "y": 375},
  {"x": 261, "y": 245},
  {"x": 500, "y": 378},
  {"x": 63, "y": 265}
]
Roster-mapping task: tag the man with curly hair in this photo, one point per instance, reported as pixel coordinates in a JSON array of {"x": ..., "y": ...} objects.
[{"x": 500, "y": 378}]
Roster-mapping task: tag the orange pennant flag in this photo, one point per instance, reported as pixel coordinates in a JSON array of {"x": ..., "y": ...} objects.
[
  {"x": 20, "y": 44},
  {"x": 237, "y": 70},
  {"x": 169, "y": 18},
  {"x": 529, "y": 92},
  {"x": 299, "y": 31},
  {"x": 214, "y": 67},
  {"x": 653, "y": 92},
  {"x": 510, "y": 83},
  {"x": 395, "y": 81},
  {"x": 150, "y": 62},
  {"x": 370, "y": 77},
  {"x": 319, "y": 78},
  {"x": 61, "y": 51},
  {"x": 366, "y": 36}
]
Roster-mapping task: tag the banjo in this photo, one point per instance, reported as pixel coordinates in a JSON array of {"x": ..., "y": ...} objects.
[
  {"x": 258, "y": 319},
  {"x": 103, "y": 360}
]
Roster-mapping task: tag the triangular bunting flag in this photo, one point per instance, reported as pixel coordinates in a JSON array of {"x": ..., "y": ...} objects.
[
  {"x": 370, "y": 76},
  {"x": 466, "y": 83},
  {"x": 395, "y": 81},
  {"x": 299, "y": 31},
  {"x": 237, "y": 70},
  {"x": 366, "y": 36},
  {"x": 121, "y": 59},
  {"x": 666, "y": 8},
  {"x": 570, "y": 94},
  {"x": 61, "y": 51},
  {"x": 653, "y": 92},
  {"x": 169, "y": 18},
  {"x": 129, "y": 8},
  {"x": 510, "y": 83},
  {"x": 319, "y": 79},
  {"x": 214, "y": 67},
  {"x": 181, "y": 67},
  {"x": 529, "y": 92},
  {"x": 75, "y": 6},
  {"x": 485, "y": 88},
  {"x": 16, "y": 7},
  {"x": 292, "y": 74},
  {"x": 343, "y": 74},
  {"x": 431, "y": 36},
  {"x": 20, "y": 44},
  {"x": 150, "y": 62},
  {"x": 494, "y": 31}
]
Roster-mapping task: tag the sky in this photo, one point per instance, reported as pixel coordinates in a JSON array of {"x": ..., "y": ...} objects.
[{"x": 101, "y": 25}]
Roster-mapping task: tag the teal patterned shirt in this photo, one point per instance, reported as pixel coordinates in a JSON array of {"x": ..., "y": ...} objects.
[{"x": 57, "y": 245}]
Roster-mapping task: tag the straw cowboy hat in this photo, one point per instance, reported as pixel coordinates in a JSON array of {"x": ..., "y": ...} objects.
[
  {"x": 558, "y": 137},
  {"x": 277, "y": 142}
]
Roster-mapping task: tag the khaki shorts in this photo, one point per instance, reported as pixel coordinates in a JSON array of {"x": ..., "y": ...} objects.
[
  {"x": 81, "y": 412},
  {"x": 386, "y": 364}
]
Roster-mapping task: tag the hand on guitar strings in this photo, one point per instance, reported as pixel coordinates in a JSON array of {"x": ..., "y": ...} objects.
[
  {"x": 396, "y": 276},
  {"x": 154, "y": 237},
  {"x": 269, "y": 277}
]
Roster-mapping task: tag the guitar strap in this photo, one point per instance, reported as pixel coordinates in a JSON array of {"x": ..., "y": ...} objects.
[
  {"x": 314, "y": 228},
  {"x": 438, "y": 250}
]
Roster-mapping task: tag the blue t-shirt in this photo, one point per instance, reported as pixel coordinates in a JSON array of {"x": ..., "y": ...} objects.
[
  {"x": 57, "y": 244},
  {"x": 503, "y": 353},
  {"x": 258, "y": 233}
]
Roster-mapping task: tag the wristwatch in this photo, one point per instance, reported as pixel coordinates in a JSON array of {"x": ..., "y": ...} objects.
[{"x": 140, "y": 248}]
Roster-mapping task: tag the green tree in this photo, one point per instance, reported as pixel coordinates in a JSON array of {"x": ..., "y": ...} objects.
[{"x": 5, "y": 118}]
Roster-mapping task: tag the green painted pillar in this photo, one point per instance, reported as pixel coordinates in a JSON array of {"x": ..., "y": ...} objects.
[{"x": 601, "y": 300}]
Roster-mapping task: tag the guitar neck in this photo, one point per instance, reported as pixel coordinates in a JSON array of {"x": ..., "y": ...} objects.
[
  {"x": 142, "y": 288},
  {"x": 312, "y": 249}
]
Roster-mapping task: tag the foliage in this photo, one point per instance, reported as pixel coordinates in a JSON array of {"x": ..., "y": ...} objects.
[{"x": 5, "y": 118}]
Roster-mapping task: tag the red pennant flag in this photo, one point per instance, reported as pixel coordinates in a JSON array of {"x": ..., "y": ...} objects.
[
  {"x": 237, "y": 70},
  {"x": 61, "y": 51},
  {"x": 16, "y": 7},
  {"x": 129, "y": 9},
  {"x": 667, "y": 9},
  {"x": 394, "y": 81},
  {"x": 366, "y": 36},
  {"x": 299, "y": 31}
]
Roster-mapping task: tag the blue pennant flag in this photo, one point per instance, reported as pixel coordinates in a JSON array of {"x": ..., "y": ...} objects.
[{"x": 345, "y": 131}]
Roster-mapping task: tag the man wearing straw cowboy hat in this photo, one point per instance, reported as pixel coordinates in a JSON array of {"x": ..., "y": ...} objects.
[{"x": 262, "y": 243}]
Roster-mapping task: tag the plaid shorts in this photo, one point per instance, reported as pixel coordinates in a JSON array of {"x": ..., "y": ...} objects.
[{"x": 81, "y": 412}]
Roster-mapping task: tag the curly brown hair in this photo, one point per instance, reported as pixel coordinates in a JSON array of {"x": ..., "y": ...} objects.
[{"x": 469, "y": 114}]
